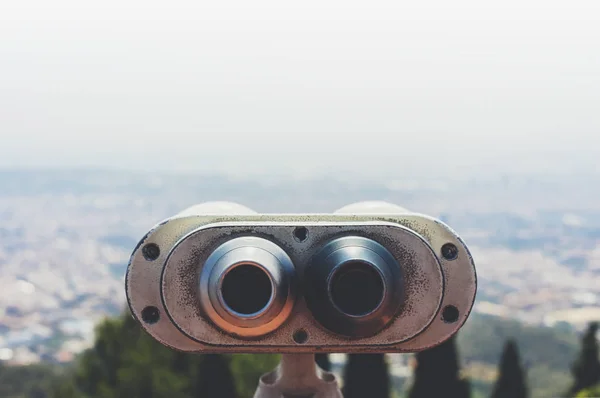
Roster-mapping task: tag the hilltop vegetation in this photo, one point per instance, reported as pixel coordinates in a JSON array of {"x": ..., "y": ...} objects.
[
  {"x": 124, "y": 359},
  {"x": 482, "y": 339},
  {"x": 547, "y": 353}
]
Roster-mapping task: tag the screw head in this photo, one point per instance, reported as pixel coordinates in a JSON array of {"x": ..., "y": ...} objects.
[
  {"x": 450, "y": 251},
  {"x": 151, "y": 251},
  {"x": 300, "y": 234},
  {"x": 150, "y": 315},
  {"x": 300, "y": 336},
  {"x": 450, "y": 314}
]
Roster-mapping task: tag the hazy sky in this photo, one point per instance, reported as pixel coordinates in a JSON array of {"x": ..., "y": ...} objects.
[{"x": 269, "y": 85}]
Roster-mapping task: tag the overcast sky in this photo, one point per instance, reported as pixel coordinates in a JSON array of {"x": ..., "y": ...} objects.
[{"x": 272, "y": 85}]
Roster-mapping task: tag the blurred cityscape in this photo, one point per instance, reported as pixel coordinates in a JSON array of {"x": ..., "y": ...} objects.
[{"x": 66, "y": 237}]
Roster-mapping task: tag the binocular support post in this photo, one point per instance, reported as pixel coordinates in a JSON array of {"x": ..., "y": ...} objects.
[{"x": 298, "y": 376}]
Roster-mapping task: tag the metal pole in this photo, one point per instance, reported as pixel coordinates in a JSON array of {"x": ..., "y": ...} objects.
[{"x": 298, "y": 376}]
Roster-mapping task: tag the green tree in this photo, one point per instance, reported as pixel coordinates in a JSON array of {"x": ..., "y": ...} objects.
[
  {"x": 586, "y": 369},
  {"x": 149, "y": 370},
  {"x": 511, "y": 380},
  {"x": 126, "y": 362},
  {"x": 438, "y": 374},
  {"x": 64, "y": 389},
  {"x": 97, "y": 373},
  {"x": 30, "y": 381},
  {"x": 247, "y": 370},
  {"x": 323, "y": 361},
  {"x": 593, "y": 392},
  {"x": 366, "y": 375}
]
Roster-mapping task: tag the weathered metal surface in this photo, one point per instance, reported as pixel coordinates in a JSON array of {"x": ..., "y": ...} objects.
[
  {"x": 298, "y": 376},
  {"x": 170, "y": 282}
]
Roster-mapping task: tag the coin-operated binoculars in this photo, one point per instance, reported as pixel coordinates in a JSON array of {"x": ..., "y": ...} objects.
[{"x": 370, "y": 277}]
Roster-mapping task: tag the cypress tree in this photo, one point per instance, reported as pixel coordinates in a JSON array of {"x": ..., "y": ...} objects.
[
  {"x": 437, "y": 373},
  {"x": 216, "y": 378},
  {"x": 366, "y": 375},
  {"x": 323, "y": 361},
  {"x": 586, "y": 369},
  {"x": 511, "y": 380}
]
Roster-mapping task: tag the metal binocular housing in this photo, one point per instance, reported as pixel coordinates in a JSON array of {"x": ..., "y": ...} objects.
[{"x": 370, "y": 277}]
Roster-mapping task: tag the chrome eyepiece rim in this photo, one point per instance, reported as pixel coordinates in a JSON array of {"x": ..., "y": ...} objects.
[
  {"x": 321, "y": 275},
  {"x": 259, "y": 254},
  {"x": 338, "y": 272}
]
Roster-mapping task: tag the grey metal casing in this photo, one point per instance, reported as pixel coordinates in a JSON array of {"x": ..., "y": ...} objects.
[{"x": 170, "y": 282}]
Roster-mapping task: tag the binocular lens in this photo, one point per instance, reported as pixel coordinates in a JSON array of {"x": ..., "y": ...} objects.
[
  {"x": 247, "y": 289},
  {"x": 354, "y": 286},
  {"x": 247, "y": 286},
  {"x": 357, "y": 288}
]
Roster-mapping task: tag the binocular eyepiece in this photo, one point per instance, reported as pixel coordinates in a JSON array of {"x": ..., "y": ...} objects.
[
  {"x": 354, "y": 286},
  {"x": 371, "y": 277},
  {"x": 248, "y": 286}
]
